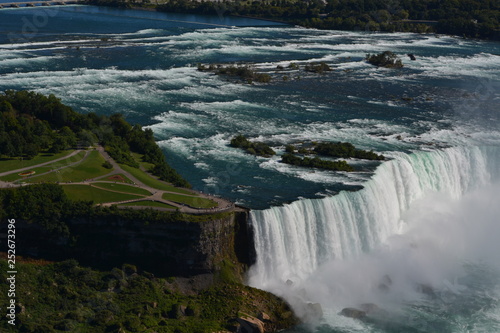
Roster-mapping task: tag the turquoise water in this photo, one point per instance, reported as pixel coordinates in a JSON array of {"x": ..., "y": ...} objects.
[
  {"x": 142, "y": 64},
  {"x": 437, "y": 119}
]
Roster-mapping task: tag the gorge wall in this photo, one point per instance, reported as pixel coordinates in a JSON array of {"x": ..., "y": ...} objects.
[{"x": 167, "y": 249}]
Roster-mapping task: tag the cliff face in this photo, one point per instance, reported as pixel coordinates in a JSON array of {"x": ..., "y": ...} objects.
[
  {"x": 165, "y": 249},
  {"x": 195, "y": 286}
]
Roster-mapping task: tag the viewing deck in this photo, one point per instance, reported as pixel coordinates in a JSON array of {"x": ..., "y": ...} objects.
[{"x": 38, "y": 3}]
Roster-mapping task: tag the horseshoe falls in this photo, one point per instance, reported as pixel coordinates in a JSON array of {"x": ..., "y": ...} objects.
[
  {"x": 424, "y": 219},
  {"x": 295, "y": 239},
  {"x": 411, "y": 242}
]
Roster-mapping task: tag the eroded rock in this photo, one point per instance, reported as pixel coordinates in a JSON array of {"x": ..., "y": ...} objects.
[
  {"x": 353, "y": 313},
  {"x": 314, "y": 312},
  {"x": 249, "y": 324}
]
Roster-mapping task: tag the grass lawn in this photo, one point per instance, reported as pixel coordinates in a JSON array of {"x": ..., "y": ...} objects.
[
  {"x": 73, "y": 159},
  {"x": 152, "y": 182},
  {"x": 90, "y": 168},
  {"x": 90, "y": 193},
  {"x": 122, "y": 188},
  {"x": 14, "y": 164},
  {"x": 149, "y": 204},
  {"x": 195, "y": 202}
]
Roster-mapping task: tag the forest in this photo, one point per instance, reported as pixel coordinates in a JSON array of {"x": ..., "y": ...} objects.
[
  {"x": 468, "y": 18},
  {"x": 31, "y": 123}
]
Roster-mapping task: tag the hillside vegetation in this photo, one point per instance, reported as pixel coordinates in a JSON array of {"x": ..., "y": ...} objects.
[{"x": 31, "y": 124}]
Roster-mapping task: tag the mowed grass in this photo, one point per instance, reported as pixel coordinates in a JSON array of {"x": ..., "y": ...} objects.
[
  {"x": 152, "y": 182},
  {"x": 122, "y": 188},
  {"x": 90, "y": 168},
  {"x": 196, "y": 202},
  {"x": 14, "y": 164},
  {"x": 73, "y": 159},
  {"x": 97, "y": 195},
  {"x": 149, "y": 204}
]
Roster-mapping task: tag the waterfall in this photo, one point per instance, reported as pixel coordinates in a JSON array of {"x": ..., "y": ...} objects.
[{"x": 293, "y": 240}]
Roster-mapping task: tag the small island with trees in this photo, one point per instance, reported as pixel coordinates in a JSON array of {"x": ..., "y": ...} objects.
[
  {"x": 316, "y": 162},
  {"x": 243, "y": 72},
  {"x": 254, "y": 148},
  {"x": 327, "y": 149},
  {"x": 345, "y": 150},
  {"x": 385, "y": 59}
]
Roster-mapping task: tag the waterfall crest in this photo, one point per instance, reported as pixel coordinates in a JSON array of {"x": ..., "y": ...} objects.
[{"x": 293, "y": 240}]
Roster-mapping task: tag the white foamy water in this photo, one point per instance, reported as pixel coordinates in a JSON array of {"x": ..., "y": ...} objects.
[{"x": 295, "y": 239}]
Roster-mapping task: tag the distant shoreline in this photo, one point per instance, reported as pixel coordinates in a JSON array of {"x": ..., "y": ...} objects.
[{"x": 411, "y": 18}]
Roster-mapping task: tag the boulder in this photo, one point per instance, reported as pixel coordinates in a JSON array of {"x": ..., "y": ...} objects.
[
  {"x": 426, "y": 290},
  {"x": 314, "y": 312},
  {"x": 412, "y": 57},
  {"x": 249, "y": 324},
  {"x": 177, "y": 311},
  {"x": 353, "y": 313},
  {"x": 264, "y": 317}
]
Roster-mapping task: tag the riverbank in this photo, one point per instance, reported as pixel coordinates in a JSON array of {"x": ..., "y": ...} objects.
[{"x": 483, "y": 23}]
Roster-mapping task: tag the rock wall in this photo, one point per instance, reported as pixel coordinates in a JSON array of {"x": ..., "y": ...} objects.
[{"x": 165, "y": 249}]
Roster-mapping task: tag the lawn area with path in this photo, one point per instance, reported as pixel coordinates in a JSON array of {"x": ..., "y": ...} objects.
[
  {"x": 145, "y": 203},
  {"x": 90, "y": 168},
  {"x": 70, "y": 160},
  {"x": 7, "y": 166},
  {"x": 83, "y": 177},
  {"x": 195, "y": 202},
  {"x": 153, "y": 182},
  {"x": 121, "y": 188},
  {"x": 97, "y": 195}
]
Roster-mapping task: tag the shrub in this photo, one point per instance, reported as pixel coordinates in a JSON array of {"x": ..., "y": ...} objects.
[{"x": 107, "y": 165}]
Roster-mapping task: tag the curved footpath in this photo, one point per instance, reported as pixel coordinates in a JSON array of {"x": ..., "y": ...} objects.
[
  {"x": 41, "y": 164},
  {"x": 156, "y": 194}
]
